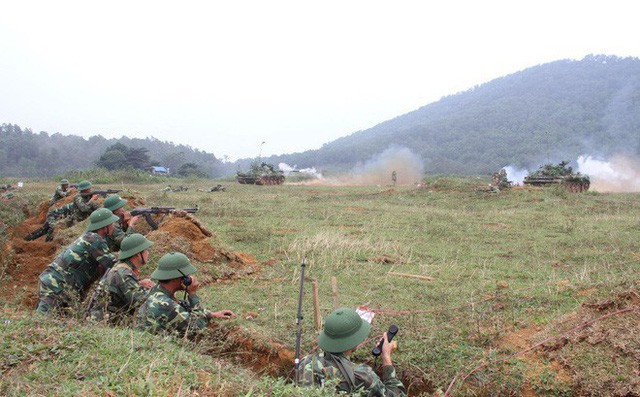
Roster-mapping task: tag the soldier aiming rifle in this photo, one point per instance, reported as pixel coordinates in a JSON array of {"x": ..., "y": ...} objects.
[{"x": 147, "y": 212}]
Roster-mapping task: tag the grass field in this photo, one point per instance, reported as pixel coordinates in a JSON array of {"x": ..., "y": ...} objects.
[{"x": 508, "y": 270}]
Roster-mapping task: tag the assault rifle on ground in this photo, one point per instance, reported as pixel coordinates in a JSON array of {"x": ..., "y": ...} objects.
[{"x": 147, "y": 212}]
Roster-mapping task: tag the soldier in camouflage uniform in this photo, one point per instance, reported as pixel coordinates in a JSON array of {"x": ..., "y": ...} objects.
[
  {"x": 162, "y": 312},
  {"x": 61, "y": 192},
  {"x": 66, "y": 280},
  {"x": 84, "y": 203},
  {"x": 123, "y": 228},
  {"x": 344, "y": 331},
  {"x": 119, "y": 292}
]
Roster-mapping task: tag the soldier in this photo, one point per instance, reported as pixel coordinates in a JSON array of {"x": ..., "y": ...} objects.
[
  {"x": 61, "y": 192},
  {"x": 123, "y": 228},
  {"x": 66, "y": 280},
  {"x": 119, "y": 292},
  {"x": 162, "y": 312},
  {"x": 84, "y": 203},
  {"x": 344, "y": 331},
  {"x": 394, "y": 177}
]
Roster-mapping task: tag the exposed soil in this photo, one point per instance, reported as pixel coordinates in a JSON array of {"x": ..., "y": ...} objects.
[
  {"x": 180, "y": 233},
  {"x": 25, "y": 260},
  {"x": 265, "y": 358},
  {"x": 585, "y": 359}
]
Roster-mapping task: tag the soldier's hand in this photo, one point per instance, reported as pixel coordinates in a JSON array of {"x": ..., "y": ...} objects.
[
  {"x": 94, "y": 197},
  {"x": 387, "y": 349},
  {"x": 133, "y": 219},
  {"x": 146, "y": 283},
  {"x": 195, "y": 285},
  {"x": 226, "y": 314}
]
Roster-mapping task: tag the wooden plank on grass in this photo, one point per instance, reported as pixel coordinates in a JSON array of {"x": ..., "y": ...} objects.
[{"x": 428, "y": 278}]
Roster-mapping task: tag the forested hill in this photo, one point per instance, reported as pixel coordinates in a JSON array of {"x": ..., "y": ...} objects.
[
  {"x": 549, "y": 112},
  {"x": 27, "y": 154}
]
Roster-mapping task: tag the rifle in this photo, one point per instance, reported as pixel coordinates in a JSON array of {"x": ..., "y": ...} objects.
[
  {"x": 102, "y": 193},
  {"x": 147, "y": 212},
  {"x": 299, "y": 322}
]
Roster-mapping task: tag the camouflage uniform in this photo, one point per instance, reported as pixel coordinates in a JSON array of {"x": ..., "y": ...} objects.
[
  {"x": 83, "y": 207},
  {"x": 72, "y": 272},
  {"x": 161, "y": 312},
  {"x": 59, "y": 194},
  {"x": 77, "y": 211},
  {"x": 118, "y": 294},
  {"x": 316, "y": 369},
  {"x": 119, "y": 233}
]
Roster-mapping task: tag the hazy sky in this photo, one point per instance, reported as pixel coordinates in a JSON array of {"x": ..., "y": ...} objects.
[{"x": 226, "y": 76}]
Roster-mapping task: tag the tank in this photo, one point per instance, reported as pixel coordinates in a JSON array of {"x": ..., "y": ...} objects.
[
  {"x": 261, "y": 174},
  {"x": 560, "y": 174}
]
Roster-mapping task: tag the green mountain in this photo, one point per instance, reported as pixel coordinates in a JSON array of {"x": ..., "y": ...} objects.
[{"x": 550, "y": 112}]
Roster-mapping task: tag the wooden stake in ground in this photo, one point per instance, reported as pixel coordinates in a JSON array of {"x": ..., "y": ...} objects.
[
  {"x": 317, "y": 320},
  {"x": 428, "y": 278},
  {"x": 334, "y": 292}
]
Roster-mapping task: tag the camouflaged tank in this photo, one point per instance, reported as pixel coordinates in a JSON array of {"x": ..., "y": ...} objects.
[
  {"x": 261, "y": 174},
  {"x": 560, "y": 174}
]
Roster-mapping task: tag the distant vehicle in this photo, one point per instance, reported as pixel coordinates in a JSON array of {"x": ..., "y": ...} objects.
[
  {"x": 261, "y": 173},
  {"x": 560, "y": 174}
]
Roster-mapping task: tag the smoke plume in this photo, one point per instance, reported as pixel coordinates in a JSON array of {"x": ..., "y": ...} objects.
[
  {"x": 620, "y": 174},
  {"x": 515, "y": 175},
  {"x": 408, "y": 167},
  {"x": 309, "y": 171}
]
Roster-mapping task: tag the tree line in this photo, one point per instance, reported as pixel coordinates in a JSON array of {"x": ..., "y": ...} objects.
[{"x": 24, "y": 153}]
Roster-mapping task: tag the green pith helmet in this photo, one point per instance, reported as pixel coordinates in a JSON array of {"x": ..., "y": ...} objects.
[
  {"x": 132, "y": 245},
  {"x": 114, "y": 202},
  {"x": 84, "y": 185},
  {"x": 9, "y": 195},
  {"x": 343, "y": 330},
  {"x": 100, "y": 218},
  {"x": 64, "y": 182},
  {"x": 173, "y": 265}
]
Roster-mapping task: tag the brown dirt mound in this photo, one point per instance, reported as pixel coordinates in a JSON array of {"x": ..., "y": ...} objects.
[
  {"x": 183, "y": 235},
  {"x": 586, "y": 358},
  {"x": 25, "y": 260},
  {"x": 134, "y": 200}
]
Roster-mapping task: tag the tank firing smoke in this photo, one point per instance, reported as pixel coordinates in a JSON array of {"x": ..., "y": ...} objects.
[
  {"x": 620, "y": 174},
  {"x": 377, "y": 171},
  {"x": 287, "y": 169},
  {"x": 515, "y": 174},
  {"x": 408, "y": 167}
]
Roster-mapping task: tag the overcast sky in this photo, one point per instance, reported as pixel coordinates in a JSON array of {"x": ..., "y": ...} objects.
[{"x": 226, "y": 76}]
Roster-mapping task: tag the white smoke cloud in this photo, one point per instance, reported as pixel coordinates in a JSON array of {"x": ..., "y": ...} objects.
[
  {"x": 515, "y": 175},
  {"x": 287, "y": 169},
  {"x": 620, "y": 174}
]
